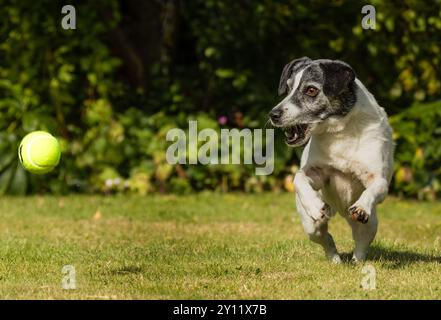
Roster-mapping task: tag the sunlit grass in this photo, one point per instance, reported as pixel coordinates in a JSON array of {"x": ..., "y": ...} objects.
[{"x": 210, "y": 246}]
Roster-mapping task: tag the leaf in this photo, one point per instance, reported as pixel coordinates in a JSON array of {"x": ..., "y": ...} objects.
[
  {"x": 224, "y": 73},
  {"x": 19, "y": 182},
  {"x": 5, "y": 179}
]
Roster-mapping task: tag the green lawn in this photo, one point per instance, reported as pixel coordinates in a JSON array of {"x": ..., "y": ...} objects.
[{"x": 206, "y": 246}]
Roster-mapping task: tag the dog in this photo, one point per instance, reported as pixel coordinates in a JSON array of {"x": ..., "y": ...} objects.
[{"x": 347, "y": 163}]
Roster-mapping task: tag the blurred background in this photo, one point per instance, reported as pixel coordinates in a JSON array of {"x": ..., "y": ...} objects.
[{"x": 132, "y": 70}]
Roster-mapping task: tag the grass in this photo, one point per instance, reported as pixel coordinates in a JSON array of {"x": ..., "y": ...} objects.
[{"x": 206, "y": 246}]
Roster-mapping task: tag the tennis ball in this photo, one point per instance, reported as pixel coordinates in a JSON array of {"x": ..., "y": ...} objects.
[{"x": 39, "y": 152}]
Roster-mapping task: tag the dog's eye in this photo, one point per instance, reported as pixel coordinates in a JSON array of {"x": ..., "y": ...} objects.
[{"x": 311, "y": 91}]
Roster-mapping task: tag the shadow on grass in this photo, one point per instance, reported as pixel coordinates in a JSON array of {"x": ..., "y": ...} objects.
[
  {"x": 126, "y": 270},
  {"x": 393, "y": 258}
]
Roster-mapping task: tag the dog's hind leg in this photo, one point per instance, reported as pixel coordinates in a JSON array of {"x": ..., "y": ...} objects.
[
  {"x": 363, "y": 235},
  {"x": 318, "y": 232}
]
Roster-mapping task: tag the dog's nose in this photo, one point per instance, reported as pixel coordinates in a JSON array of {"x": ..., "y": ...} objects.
[{"x": 275, "y": 114}]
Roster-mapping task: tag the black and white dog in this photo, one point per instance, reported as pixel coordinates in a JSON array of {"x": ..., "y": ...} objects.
[{"x": 346, "y": 165}]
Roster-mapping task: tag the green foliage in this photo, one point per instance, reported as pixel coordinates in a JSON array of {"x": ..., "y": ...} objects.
[
  {"x": 417, "y": 132},
  {"x": 53, "y": 79},
  {"x": 218, "y": 58},
  {"x": 241, "y": 47}
]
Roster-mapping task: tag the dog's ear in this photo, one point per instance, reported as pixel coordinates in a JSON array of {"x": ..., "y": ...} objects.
[
  {"x": 288, "y": 71},
  {"x": 339, "y": 76}
]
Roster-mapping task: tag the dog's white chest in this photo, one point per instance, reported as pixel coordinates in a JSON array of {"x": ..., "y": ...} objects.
[
  {"x": 345, "y": 155},
  {"x": 349, "y": 162}
]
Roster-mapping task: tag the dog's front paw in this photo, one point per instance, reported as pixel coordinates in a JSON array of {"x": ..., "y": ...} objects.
[
  {"x": 335, "y": 258},
  {"x": 357, "y": 213}
]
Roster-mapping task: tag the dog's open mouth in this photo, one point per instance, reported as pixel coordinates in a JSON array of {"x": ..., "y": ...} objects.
[{"x": 298, "y": 134}]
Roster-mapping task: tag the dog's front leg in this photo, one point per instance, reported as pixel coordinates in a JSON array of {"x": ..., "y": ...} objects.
[
  {"x": 374, "y": 193},
  {"x": 313, "y": 212},
  {"x": 307, "y": 182},
  {"x": 364, "y": 211}
]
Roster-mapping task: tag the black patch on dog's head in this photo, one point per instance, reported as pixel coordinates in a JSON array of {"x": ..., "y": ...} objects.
[
  {"x": 289, "y": 70},
  {"x": 338, "y": 76},
  {"x": 339, "y": 85}
]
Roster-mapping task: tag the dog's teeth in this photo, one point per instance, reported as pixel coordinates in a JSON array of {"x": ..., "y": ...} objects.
[{"x": 295, "y": 136}]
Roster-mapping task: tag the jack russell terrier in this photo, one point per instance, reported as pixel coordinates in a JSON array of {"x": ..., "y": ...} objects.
[{"x": 347, "y": 162}]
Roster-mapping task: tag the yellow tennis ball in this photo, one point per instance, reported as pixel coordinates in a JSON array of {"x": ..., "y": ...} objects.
[{"x": 39, "y": 152}]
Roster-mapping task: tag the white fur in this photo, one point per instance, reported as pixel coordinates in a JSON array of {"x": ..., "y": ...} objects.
[
  {"x": 291, "y": 111},
  {"x": 347, "y": 162}
]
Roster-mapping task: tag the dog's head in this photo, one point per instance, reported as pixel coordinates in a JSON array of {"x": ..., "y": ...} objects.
[{"x": 316, "y": 91}]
